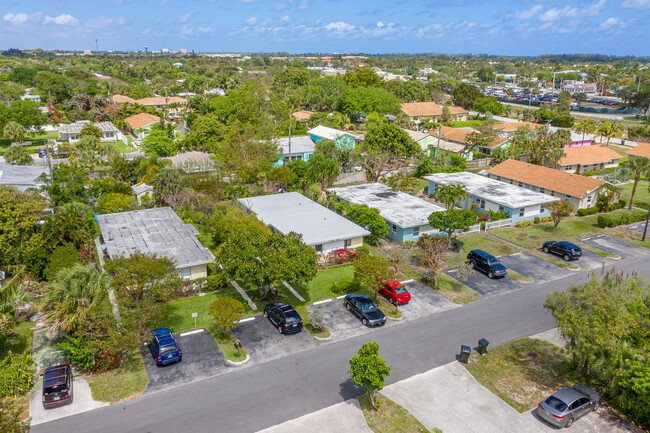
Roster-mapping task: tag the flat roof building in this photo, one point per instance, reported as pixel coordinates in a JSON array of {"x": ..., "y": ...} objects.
[
  {"x": 406, "y": 215},
  {"x": 156, "y": 231},
  {"x": 320, "y": 227}
]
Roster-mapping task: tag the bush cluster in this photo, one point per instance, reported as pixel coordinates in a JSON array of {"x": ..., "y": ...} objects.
[
  {"x": 617, "y": 220},
  {"x": 547, "y": 218},
  {"x": 16, "y": 373},
  {"x": 348, "y": 285},
  {"x": 588, "y": 211},
  {"x": 524, "y": 223}
]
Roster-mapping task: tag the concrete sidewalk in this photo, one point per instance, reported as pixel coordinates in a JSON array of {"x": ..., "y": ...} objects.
[{"x": 345, "y": 417}]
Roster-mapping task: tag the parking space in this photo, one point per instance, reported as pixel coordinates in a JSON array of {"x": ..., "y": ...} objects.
[
  {"x": 590, "y": 261},
  {"x": 534, "y": 267},
  {"x": 602, "y": 421},
  {"x": 424, "y": 301},
  {"x": 202, "y": 358},
  {"x": 615, "y": 246},
  {"x": 637, "y": 227},
  {"x": 263, "y": 341},
  {"x": 486, "y": 286},
  {"x": 341, "y": 322}
]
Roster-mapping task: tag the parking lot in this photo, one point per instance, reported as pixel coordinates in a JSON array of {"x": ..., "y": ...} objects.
[
  {"x": 534, "y": 267},
  {"x": 202, "y": 358},
  {"x": 615, "y": 246},
  {"x": 637, "y": 227},
  {"x": 424, "y": 301},
  {"x": 486, "y": 286},
  {"x": 263, "y": 341},
  {"x": 343, "y": 323}
]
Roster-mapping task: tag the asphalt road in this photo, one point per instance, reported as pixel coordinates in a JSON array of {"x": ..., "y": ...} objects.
[{"x": 248, "y": 399}]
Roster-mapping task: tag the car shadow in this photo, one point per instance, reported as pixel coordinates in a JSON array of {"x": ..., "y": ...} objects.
[{"x": 533, "y": 413}]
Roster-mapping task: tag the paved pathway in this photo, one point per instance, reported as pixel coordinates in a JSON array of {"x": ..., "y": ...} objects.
[
  {"x": 244, "y": 295},
  {"x": 296, "y": 294}
]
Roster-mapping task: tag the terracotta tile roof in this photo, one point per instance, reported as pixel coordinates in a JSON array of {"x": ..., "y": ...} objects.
[
  {"x": 548, "y": 178},
  {"x": 641, "y": 149},
  {"x": 121, "y": 99},
  {"x": 497, "y": 141},
  {"x": 416, "y": 135},
  {"x": 302, "y": 114},
  {"x": 586, "y": 155},
  {"x": 460, "y": 135},
  {"x": 161, "y": 100},
  {"x": 140, "y": 120},
  {"x": 427, "y": 109},
  {"x": 513, "y": 126}
]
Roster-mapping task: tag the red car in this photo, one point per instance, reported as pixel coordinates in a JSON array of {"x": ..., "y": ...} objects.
[{"x": 395, "y": 292}]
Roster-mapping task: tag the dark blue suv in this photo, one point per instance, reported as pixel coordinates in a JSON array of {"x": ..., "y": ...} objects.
[
  {"x": 164, "y": 347},
  {"x": 566, "y": 250},
  {"x": 484, "y": 262}
]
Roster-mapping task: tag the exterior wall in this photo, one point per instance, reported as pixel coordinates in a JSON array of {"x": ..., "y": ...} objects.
[
  {"x": 426, "y": 142},
  {"x": 144, "y": 131},
  {"x": 199, "y": 271},
  {"x": 356, "y": 242},
  {"x": 74, "y": 137},
  {"x": 304, "y": 156}
]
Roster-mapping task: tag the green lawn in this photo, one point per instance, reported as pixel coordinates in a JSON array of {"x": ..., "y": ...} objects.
[
  {"x": 390, "y": 417},
  {"x": 455, "y": 291},
  {"x": 641, "y": 196},
  {"x": 320, "y": 287},
  {"x": 125, "y": 383},
  {"x": 17, "y": 339},
  {"x": 483, "y": 242},
  {"x": 523, "y": 372}
]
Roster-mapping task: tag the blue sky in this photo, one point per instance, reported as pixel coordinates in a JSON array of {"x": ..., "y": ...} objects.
[{"x": 523, "y": 27}]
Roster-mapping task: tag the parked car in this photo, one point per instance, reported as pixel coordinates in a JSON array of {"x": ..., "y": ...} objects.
[
  {"x": 568, "y": 404},
  {"x": 362, "y": 306},
  {"x": 284, "y": 317},
  {"x": 566, "y": 250},
  {"x": 163, "y": 346},
  {"x": 57, "y": 386},
  {"x": 487, "y": 263},
  {"x": 395, "y": 292}
]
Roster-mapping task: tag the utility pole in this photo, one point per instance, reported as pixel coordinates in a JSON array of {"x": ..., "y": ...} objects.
[
  {"x": 49, "y": 159},
  {"x": 97, "y": 45},
  {"x": 289, "y": 143},
  {"x": 638, "y": 85}
]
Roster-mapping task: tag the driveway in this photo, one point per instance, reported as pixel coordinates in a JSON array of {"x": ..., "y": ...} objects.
[
  {"x": 343, "y": 323},
  {"x": 424, "y": 301},
  {"x": 202, "y": 358},
  {"x": 615, "y": 246},
  {"x": 82, "y": 401},
  {"x": 534, "y": 267},
  {"x": 263, "y": 341},
  {"x": 449, "y": 398},
  {"x": 486, "y": 286}
]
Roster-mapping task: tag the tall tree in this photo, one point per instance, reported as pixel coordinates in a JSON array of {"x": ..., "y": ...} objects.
[
  {"x": 14, "y": 131},
  {"x": 431, "y": 255},
  {"x": 638, "y": 167},
  {"x": 373, "y": 271},
  {"x": 559, "y": 209},
  {"x": 450, "y": 194},
  {"x": 368, "y": 369},
  {"x": 386, "y": 148},
  {"x": 452, "y": 220}
]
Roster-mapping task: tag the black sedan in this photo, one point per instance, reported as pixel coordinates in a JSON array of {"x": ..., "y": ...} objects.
[
  {"x": 284, "y": 317},
  {"x": 365, "y": 309},
  {"x": 566, "y": 250}
]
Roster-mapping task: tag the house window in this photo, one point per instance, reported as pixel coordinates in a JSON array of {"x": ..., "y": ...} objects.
[
  {"x": 552, "y": 193},
  {"x": 481, "y": 203},
  {"x": 348, "y": 243},
  {"x": 186, "y": 273},
  {"x": 542, "y": 190},
  {"x": 416, "y": 232},
  {"x": 511, "y": 182},
  {"x": 589, "y": 199},
  {"x": 501, "y": 209},
  {"x": 520, "y": 184},
  {"x": 521, "y": 212},
  {"x": 498, "y": 177},
  {"x": 568, "y": 167},
  {"x": 567, "y": 197},
  {"x": 394, "y": 229},
  {"x": 319, "y": 248}
]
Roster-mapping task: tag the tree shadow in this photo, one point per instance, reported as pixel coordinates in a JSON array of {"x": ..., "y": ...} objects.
[{"x": 348, "y": 389}]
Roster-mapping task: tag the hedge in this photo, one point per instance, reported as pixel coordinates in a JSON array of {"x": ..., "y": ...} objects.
[
  {"x": 594, "y": 210},
  {"x": 613, "y": 221}
]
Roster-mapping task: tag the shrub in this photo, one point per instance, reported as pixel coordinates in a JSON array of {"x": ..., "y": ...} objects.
[
  {"x": 603, "y": 221},
  {"x": 536, "y": 220},
  {"x": 76, "y": 350},
  {"x": 216, "y": 282},
  {"x": 16, "y": 373},
  {"x": 617, "y": 220},
  {"x": 547, "y": 218},
  {"x": 524, "y": 223},
  {"x": 348, "y": 285},
  {"x": 64, "y": 256},
  {"x": 498, "y": 215},
  {"x": 588, "y": 211},
  {"x": 429, "y": 277},
  {"x": 316, "y": 319}
]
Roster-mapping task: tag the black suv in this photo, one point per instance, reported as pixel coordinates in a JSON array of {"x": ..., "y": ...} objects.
[
  {"x": 284, "y": 317},
  {"x": 362, "y": 306},
  {"x": 487, "y": 263},
  {"x": 564, "y": 249}
]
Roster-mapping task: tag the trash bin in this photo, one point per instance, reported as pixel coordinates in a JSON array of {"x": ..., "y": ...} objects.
[
  {"x": 464, "y": 353},
  {"x": 482, "y": 346}
]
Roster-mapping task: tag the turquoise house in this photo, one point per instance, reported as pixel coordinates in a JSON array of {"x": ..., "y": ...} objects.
[
  {"x": 343, "y": 140},
  {"x": 293, "y": 148}
]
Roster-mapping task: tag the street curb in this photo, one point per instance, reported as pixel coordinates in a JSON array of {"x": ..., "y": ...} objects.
[
  {"x": 322, "y": 338},
  {"x": 396, "y": 319},
  {"x": 237, "y": 364}
]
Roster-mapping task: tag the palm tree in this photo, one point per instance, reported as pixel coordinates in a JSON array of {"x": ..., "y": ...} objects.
[
  {"x": 638, "y": 167},
  {"x": 73, "y": 293},
  {"x": 450, "y": 194},
  {"x": 70, "y": 223},
  {"x": 585, "y": 126}
]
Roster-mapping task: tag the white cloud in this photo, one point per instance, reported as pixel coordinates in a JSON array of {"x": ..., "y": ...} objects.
[
  {"x": 340, "y": 26},
  {"x": 283, "y": 5},
  {"x": 613, "y": 23},
  {"x": 185, "y": 17},
  {"x": 528, "y": 14},
  {"x": 285, "y": 19},
  {"x": 380, "y": 24},
  {"x": 15, "y": 18},
  {"x": 636, "y": 4},
  {"x": 555, "y": 14},
  {"x": 62, "y": 19},
  {"x": 251, "y": 21}
]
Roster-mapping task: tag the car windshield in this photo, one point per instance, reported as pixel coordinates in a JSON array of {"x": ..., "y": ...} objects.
[
  {"x": 556, "y": 404},
  {"x": 169, "y": 348},
  {"x": 367, "y": 307},
  {"x": 493, "y": 262},
  {"x": 399, "y": 290},
  {"x": 292, "y": 317},
  {"x": 54, "y": 389}
]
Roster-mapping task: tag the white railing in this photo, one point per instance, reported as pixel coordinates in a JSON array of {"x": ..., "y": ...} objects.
[
  {"x": 476, "y": 228},
  {"x": 498, "y": 224}
]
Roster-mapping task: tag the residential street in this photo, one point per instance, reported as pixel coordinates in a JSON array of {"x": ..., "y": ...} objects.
[{"x": 248, "y": 399}]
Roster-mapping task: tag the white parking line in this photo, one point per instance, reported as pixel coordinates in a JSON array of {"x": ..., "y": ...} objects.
[
  {"x": 322, "y": 302},
  {"x": 407, "y": 281},
  {"x": 248, "y": 319},
  {"x": 341, "y": 297},
  {"x": 196, "y": 331}
]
